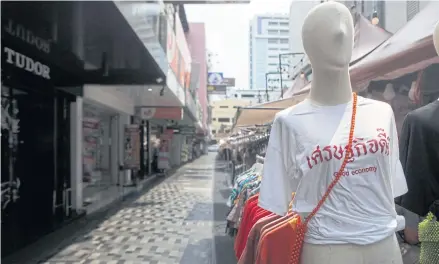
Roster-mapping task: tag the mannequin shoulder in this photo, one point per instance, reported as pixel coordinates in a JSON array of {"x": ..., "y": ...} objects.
[
  {"x": 287, "y": 115},
  {"x": 375, "y": 104}
]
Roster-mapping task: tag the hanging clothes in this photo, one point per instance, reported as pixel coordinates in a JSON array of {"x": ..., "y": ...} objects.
[
  {"x": 249, "y": 255},
  {"x": 264, "y": 237},
  {"x": 246, "y": 186},
  {"x": 246, "y": 177},
  {"x": 250, "y": 205},
  {"x": 276, "y": 243}
]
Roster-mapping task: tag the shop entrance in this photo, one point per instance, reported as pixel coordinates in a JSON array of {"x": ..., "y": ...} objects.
[
  {"x": 101, "y": 138},
  {"x": 32, "y": 171}
]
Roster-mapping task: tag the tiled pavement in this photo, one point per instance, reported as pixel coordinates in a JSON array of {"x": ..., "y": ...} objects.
[{"x": 173, "y": 223}]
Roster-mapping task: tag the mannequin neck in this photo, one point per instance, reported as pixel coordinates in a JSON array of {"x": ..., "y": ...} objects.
[{"x": 331, "y": 86}]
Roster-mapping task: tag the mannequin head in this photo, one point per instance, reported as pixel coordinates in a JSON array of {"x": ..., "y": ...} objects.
[
  {"x": 328, "y": 35},
  {"x": 436, "y": 37},
  {"x": 328, "y": 40}
]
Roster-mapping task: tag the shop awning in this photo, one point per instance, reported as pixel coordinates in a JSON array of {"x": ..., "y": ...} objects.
[
  {"x": 367, "y": 38},
  {"x": 304, "y": 90},
  {"x": 298, "y": 84},
  {"x": 263, "y": 113},
  {"x": 409, "y": 50}
]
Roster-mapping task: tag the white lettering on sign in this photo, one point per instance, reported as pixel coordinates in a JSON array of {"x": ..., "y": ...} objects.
[
  {"x": 27, "y": 36},
  {"x": 147, "y": 113},
  {"x": 23, "y": 62}
]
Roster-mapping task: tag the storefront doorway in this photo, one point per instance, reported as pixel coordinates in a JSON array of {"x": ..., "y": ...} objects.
[
  {"x": 35, "y": 174},
  {"x": 101, "y": 136},
  {"x": 35, "y": 128}
]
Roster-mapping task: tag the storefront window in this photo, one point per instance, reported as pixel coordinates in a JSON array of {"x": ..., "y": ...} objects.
[
  {"x": 9, "y": 143},
  {"x": 155, "y": 145},
  {"x": 27, "y": 165},
  {"x": 97, "y": 139}
]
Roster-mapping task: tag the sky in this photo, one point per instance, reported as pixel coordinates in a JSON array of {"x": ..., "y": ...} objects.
[{"x": 227, "y": 28}]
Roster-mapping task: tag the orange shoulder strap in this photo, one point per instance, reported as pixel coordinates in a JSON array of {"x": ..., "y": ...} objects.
[{"x": 343, "y": 166}]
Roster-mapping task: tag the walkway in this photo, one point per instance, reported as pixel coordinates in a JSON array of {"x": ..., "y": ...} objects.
[{"x": 181, "y": 220}]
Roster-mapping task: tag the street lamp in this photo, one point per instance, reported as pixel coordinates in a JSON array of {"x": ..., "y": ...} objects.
[{"x": 280, "y": 67}]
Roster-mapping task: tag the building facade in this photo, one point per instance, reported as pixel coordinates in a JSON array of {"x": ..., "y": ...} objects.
[
  {"x": 223, "y": 115},
  {"x": 84, "y": 102},
  {"x": 268, "y": 37},
  {"x": 40, "y": 79},
  {"x": 253, "y": 96},
  {"x": 197, "y": 44},
  {"x": 392, "y": 15}
]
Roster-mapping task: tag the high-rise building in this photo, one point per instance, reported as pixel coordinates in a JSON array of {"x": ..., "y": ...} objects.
[
  {"x": 390, "y": 15},
  {"x": 268, "y": 37}
]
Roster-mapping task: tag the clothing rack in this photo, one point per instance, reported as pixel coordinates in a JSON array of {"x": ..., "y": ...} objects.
[
  {"x": 246, "y": 148},
  {"x": 260, "y": 159}
]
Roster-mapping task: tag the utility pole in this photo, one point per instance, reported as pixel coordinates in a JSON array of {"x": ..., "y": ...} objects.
[
  {"x": 281, "y": 70},
  {"x": 266, "y": 84}
]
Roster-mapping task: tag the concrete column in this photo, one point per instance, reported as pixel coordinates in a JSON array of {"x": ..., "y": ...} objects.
[
  {"x": 55, "y": 26},
  {"x": 176, "y": 148},
  {"x": 150, "y": 150},
  {"x": 105, "y": 162},
  {"x": 76, "y": 140},
  {"x": 114, "y": 155},
  {"x": 126, "y": 174}
]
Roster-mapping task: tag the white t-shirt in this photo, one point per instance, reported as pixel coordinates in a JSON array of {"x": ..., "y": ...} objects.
[{"x": 306, "y": 149}]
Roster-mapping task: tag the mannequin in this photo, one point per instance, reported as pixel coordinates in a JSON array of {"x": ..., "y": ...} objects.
[
  {"x": 332, "y": 24},
  {"x": 357, "y": 223}
]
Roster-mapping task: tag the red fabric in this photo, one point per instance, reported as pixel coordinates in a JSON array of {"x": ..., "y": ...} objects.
[
  {"x": 277, "y": 245},
  {"x": 255, "y": 214},
  {"x": 261, "y": 214},
  {"x": 248, "y": 256},
  {"x": 245, "y": 221},
  {"x": 251, "y": 202},
  {"x": 269, "y": 227}
]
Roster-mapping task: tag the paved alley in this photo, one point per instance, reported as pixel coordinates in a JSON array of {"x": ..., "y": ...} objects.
[{"x": 181, "y": 220}]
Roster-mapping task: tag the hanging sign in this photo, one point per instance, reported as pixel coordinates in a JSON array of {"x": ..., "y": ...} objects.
[
  {"x": 132, "y": 147},
  {"x": 171, "y": 113},
  {"x": 147, "y": 113}
]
